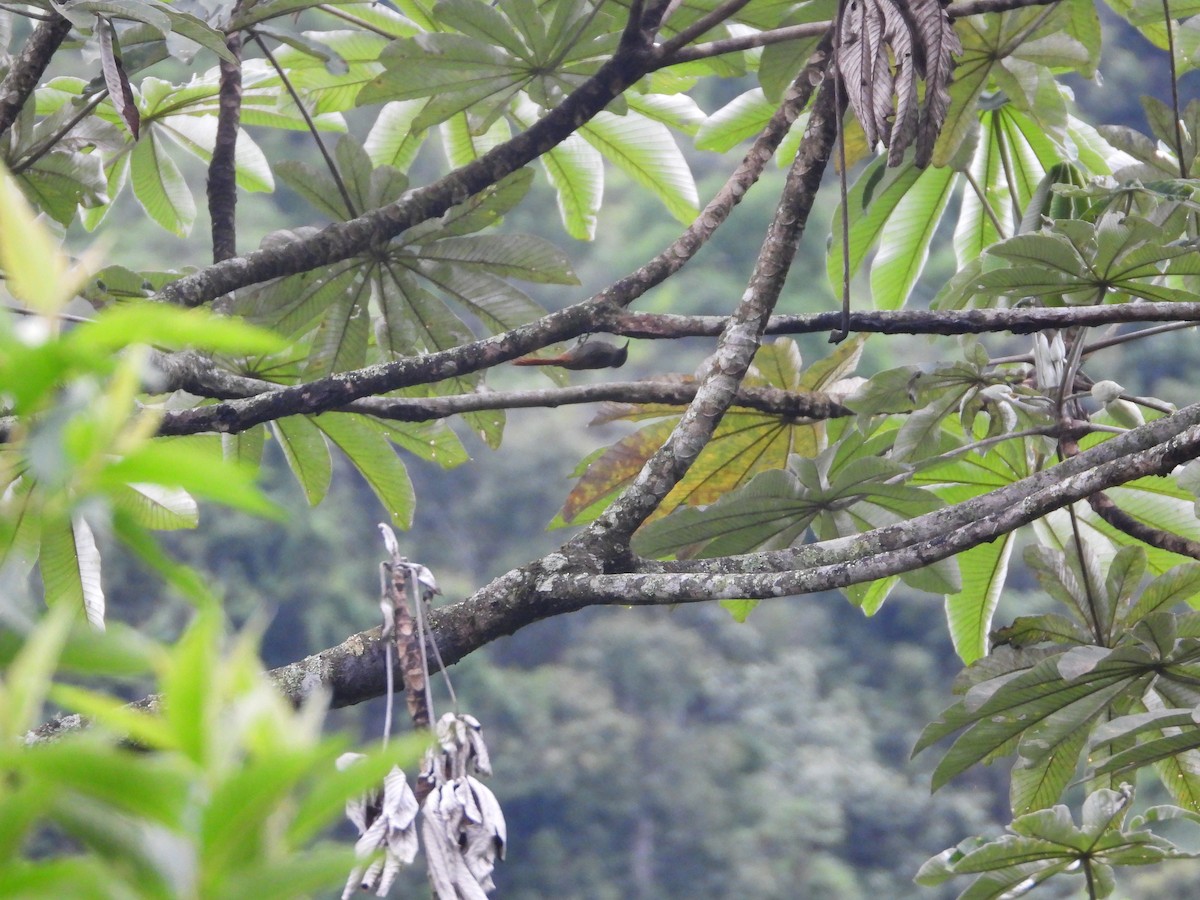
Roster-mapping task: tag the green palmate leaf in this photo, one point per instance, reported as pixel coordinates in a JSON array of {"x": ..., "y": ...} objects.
[
  {"x": 1045, "y": 628},
  {"x": 20, "y": 525},
  {"x": 976, "y": 228},
  {"x": 376, "y": 459},
  {"x": 485, "y": 24},
  {"x": 70, "y": 568},
  {"x": 520, "y": 256},
  {"x": 291, "y": 305},
  {"x": 1038, "y": 782},
  {"x": 413, "y": 320},
  {"x": 741, "y": 118},
  {"x": 158, "y": 507},
  {"x": 1046, "y": 843},
  {"x": 771, "y": 512},
  {"x": 1178, "y": 585},
  {"x": 60, "y": 183},
  {"x": 677, "y": 111},
  {"x": 575, "y": 170},
  {"x": 1179, "y": 741},
  {"x": 871, "y": 201},
  {"x": 160, "y": 187},
  {"x": 333, "y": 91},
  {"x": 431, "y": 441},
  {"x": 340, "y": 342},
  {"x": 456, "y": 72},
  {"x": 837, "y": 493},
  {"x": 494, "y": 302},
  {"x": 198, "y": 135},
  {"x": 464, "y": 145},
  {"x": 246, "y": 447},
  {"x": 306, "y": 453},
  {"x": 904, "y": 245},
  {"x": 392, "y": 140},
  {"x": 1083, "y": 683},
  {"x": 646, "y": 152},
  {"x": 984, "y": 570}
]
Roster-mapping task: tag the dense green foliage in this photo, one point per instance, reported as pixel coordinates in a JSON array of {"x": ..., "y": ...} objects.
[{"x": 416, "y": 150}]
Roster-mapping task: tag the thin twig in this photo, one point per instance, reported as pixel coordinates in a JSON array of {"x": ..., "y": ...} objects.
[
  {"x": 814, "y": 29},
  {"x": 984, "y": 202},
  {"x": 1169, "y": 22},
  {"x": 351, "y": 208},
  {"x": 49, "y": 142},
  {"x": 29, "y": 66},
  {"x": 707, "y": 21},
  {"x": 222, "y": 167},
  {"x": 840, "y": 103},
  {"x": 356, "y": 21}
]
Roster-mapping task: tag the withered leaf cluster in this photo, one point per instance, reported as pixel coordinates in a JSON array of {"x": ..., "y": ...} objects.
[{"x": 885, "y": 48}]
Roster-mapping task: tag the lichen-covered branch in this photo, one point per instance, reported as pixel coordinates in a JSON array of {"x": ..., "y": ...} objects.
[
  {"x": 26, "y": 70},
  {"x": 740, "y": 339},
  {"x": 222, "y": 173}
]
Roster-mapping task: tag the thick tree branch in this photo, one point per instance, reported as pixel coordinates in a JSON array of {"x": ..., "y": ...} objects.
[
  {"x": 343, "y": 240},
  {"x": 1103, "y": 506},
  {"x": 222, "y": 168},
  {"x": 740, "y": 339},
  {"x": 1024, "y": 320},
  {"x": 196, "y": 375},
  {"x": 27, "y": 68},
  {"x": 353, "y": 671},
  {"x": 582, "y": 318},
  {"x": 980, "y": 520},
  {"x": 341, "y": 390},
  {"x": 935, "y": 525}
]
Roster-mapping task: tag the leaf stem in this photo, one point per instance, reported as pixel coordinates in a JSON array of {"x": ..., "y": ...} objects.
[
  {"x": 351, "y": 209},
  {"x": 1169, "y": 22},
  {"x": 984, "y": 202},
  {"x": 48, "y": 144}
]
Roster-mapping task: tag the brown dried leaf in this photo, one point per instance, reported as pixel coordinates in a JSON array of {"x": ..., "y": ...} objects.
[{"x": 115, "y": 78}]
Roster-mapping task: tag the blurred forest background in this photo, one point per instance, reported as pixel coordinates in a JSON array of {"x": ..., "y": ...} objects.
[{"x": 650, "y": 753}]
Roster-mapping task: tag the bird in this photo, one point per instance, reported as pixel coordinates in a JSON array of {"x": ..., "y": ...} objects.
[{"x": 584, "y": 355}]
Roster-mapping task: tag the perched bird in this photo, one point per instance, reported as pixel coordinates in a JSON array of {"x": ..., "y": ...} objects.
[{"x": 584, "y": 355}]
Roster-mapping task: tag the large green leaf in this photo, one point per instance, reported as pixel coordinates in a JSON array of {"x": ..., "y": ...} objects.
[
  {"x": 1046, "y": 844},
  {"x": 306, "y": 453},
  {"x": 70, "y": 568},
  {"x": 160, "y": 187},
  {"x": 904, "y": 245},
  {"x": 1079, "y": 679},
  {"x": 745, "y": 442},
  {"x": 575, "y": 170},
  {"x": 376, "y": 459},
  {"x": 645, "y": 151},
  {"x": 871, "y": 200}
]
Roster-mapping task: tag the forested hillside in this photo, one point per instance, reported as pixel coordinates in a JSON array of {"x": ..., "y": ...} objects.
[{"x": 782, "y": 408}]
